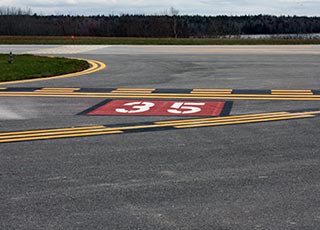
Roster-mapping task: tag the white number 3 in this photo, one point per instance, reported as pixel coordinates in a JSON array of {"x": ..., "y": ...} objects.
[{"x": 136, "y": 107}]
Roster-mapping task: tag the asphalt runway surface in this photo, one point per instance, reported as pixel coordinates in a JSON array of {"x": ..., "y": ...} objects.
[{"x": 256, "y": 166}]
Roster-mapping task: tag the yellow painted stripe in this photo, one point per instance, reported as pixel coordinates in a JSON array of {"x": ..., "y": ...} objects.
[
  {"x": 239, "y": 119},
  {"x": 50, "y": 130},
  {"x": 131, "y": 92},
  {"x": 230, "y": 119},
  {"x": 243, "y": 122},
  {"x": 134, "y": 89},
  {"x": 214, "y": 90},
  {"x": 154, "y": 96},
  {"x": 54, "y": 133},
  {"x": 142, "y": 127},
  {"x": 172, "y": 95},
  {"x": 61, "y": 88},
  {"x": 95, "y": 66},
  {"x": 179, "y": 124},
  {"x": 222, "y": 118},
  {"x": 312, "y": 113},
  {"x": 60, "y": 136},
  {"x": 290, "y": 92},
  {"x": 211, "y": 91}
]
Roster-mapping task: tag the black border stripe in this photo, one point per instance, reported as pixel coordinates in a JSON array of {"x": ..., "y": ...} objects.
[
  {"x": 176, "y": 91},
  {"x": 316, "y": 92},
  {"x": 21, "y": 89},
  {"x": 226, "y": 109},
  {"x": 156, "y": 91},
  {"x": 94, "y": 107}
]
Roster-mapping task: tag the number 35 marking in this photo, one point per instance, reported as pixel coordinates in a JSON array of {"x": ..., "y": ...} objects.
[{"x": 176, "y": 108}]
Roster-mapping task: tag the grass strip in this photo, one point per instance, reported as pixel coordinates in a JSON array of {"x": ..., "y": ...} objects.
[
  {"x": 30, "y": 66},
  {"x": 52, "y": 40}
]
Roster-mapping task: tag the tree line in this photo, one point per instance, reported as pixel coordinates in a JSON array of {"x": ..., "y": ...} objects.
[{"x": 23, "y": 22}]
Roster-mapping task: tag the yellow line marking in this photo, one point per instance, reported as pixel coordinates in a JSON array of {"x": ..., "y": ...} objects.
[
  {"x": 134, "y": 89},
  {"x": 51, "y": 130},
  {"x": 222, "y": 118},
  {"x": 292, "y": 92},
  {"x": 241, "y": 119},
  {"x": 244, "y": 121},
  {"x": 55, "y": 133},
  {"x": 312, "y": 113},
  {"x": 142, "y": 127},
  {"x": 53, "y": 93},
  {"x": 210, "y": 91},
  {"x": 49, "y": 89},
  {"x": 179, "y": 124},
  {"x": 214, "y": 90},
  {"x": 60, "y": 136},
  {"x": 95, "y": 66},
  {"x": 129, "y": 93},
  {"x": 234, "y": 119},
  {"x": 176, "y": 96}
]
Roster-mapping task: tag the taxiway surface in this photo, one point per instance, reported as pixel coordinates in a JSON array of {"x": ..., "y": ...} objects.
[{"x": 250, "y": 175}]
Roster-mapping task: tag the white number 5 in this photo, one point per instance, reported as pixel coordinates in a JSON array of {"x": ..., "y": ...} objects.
[
  {"x": 136, "y": 107},
  {"x": 185, "y": 107}
]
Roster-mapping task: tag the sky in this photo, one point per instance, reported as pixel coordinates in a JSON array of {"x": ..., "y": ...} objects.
[{"x": 190, "y": 7}]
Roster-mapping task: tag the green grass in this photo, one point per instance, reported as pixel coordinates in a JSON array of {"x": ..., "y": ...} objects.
[
  {"x": 29, "y": 66},
  {"x": 150, "y": 41}
]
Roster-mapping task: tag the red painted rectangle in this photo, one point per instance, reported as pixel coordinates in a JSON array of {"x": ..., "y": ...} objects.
[{"x": 159, "y": 108}]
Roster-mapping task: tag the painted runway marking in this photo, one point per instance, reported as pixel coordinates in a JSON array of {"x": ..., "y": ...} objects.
[
  {"x": 95, "y": 66},
  {"x": 72, "y": 132},
  {"x": 159, "y": 108},
  {"x": 149, "y": 93}
]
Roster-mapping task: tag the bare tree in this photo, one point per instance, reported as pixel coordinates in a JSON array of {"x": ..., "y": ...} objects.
[
  {"x": 174, "y": 13},
  {"x": 14, "y": 11}
]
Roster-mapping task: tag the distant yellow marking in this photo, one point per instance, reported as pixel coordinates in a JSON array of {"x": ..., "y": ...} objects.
[
  {"x": 211, "y": 91},
  {"x": 166, "y": 96},
  {"x": 60, "y": 89},
  {"x": 292, "y": 92},
  {"x": 134, "y": 89},
  {"x": 95, "y": 66},
  {"x": 131, "y": 92},
  {"x": 57, "y": 90}
]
